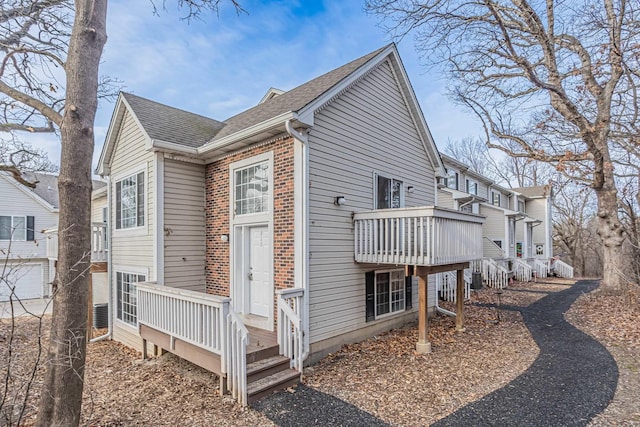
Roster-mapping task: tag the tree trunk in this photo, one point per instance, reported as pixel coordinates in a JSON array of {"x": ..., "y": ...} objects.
[
  {"x": 62, "y": 388},
  {"x": 611, "y": 232}
]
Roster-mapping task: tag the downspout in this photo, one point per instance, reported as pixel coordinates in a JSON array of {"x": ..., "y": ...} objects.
[
  {"x": 109, "y": 286},
  {"x": 305, "y": 232}
]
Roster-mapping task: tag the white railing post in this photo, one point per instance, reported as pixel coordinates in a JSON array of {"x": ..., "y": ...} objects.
[{"x": 290, "y": 331}]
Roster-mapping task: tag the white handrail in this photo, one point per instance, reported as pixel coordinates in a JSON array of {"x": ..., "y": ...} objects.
[
  {"x": 541, "y": 268},
  {"x": 417, "y": 236},
  {"x": 99, "y": 250},
  {"x": 290, "y": 331},
  {"x": 447, "y": 286},
  {"x": 494, "y": 275},
  {"x": 523, "y": 271},
  {"x": 563, "y": 269},
  {"x": 238, "y": 337}
]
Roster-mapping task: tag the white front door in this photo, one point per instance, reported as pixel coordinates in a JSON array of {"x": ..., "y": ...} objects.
[{"x": 258, "y": 285}]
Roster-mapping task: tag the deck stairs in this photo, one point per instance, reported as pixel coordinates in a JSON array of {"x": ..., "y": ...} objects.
[{"x": 267, "y": 370}]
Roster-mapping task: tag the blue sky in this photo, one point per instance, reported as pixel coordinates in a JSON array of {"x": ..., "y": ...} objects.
[{"x": 219, "y": 66}]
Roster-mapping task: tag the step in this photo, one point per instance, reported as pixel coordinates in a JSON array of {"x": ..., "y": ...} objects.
[
  {"x": 265, "y": 367},
  {"x": 255, "y": 355},
  {"x": 276, "y": 382}
]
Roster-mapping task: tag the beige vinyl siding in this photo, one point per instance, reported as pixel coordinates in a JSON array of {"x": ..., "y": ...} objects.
[
  {"x": 493, "y": 227},
  {"x": 490, "y": 249},
  {"x": 24, "y": 205},
  {"x": 445, "y": 199},
  {"x": 96, "y": 207},
  {"x": 483, "y": 190},
  {"x": 132, "y": 250},
  {"x": 366, "y": 130},
  {"x": 537, "y": 208},
  {"x": 184, "y": 241}
]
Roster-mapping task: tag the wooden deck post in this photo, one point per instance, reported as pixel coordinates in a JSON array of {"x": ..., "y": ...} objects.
[
  {"x": 423, "y": 345},
  {"x": 460, "y": 300}
]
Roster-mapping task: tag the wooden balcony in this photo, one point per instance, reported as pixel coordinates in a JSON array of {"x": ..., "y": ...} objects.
[
  {"x": 99, "y": 249},
  {"x": 420, "y": 236}
]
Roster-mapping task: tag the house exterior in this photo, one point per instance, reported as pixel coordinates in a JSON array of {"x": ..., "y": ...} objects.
[
  {"x": 516, "y": 233},
  {"x": 24, "y": 214},
  {"x": 311, "y": 214}
]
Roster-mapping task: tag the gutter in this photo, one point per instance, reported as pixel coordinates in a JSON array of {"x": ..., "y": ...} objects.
[{"x": 305, "y": 232}]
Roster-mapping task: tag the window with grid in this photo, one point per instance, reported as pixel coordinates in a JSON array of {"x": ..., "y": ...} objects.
[
  {"x": 389, "y": 292},
  {"x": 127, "y": 304},
  {"x": 388, "y": 193},
  {"x": 13, "y": 228},
  {"x": 252, "y": 189},
  {"x": 130, "y": 201}
]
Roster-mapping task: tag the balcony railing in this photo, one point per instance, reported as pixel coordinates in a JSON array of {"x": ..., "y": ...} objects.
[
  {"x": 99, "y": 249},
  {"x": 426, "y": 236}
]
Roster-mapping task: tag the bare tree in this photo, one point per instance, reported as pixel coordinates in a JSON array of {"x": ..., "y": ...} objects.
[
  {"x": 49, "y": 60},
  {"x": 495, "y": 165},
  {"x": 554, "y": 81}
]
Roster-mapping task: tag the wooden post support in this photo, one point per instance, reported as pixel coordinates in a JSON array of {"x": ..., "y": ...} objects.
[
  {"x": 460, "y": 301},
  {"x": 423, "y": 345}
]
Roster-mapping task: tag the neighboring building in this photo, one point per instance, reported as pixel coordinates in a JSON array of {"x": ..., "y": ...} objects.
[
  {"x": 24, "y": 213},
  {"x": 300, "y": 215},
  {"x": 518, "y": 222}
]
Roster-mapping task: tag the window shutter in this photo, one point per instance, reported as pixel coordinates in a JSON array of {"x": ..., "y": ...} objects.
[
  {"x": 140, "y": 181},
  {"x": 370, "y": 295},
  {"x": 408, "y": 289},
  {"x": 31, "y": 221},
  {"x": 118, "y": 204}
]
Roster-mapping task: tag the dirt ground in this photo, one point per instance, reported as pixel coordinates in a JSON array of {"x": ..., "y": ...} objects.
[{"x": 383, "y": 375}]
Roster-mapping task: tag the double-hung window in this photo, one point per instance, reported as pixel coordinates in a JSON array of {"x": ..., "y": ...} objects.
[
  {"x": 126, "y": 298},
  {"x": 252, "y": 189},
  {"x": 15, "y": 228},
  {"x": 389, "y": 292},
  {"x": 389, "y": 193},
  {"x": 130, "y": 195},
  {"x": 496, "y": 198}
]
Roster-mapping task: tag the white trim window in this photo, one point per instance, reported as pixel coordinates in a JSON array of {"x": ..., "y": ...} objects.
[
  {"x": 13, "y": 228},
  {"x": 388, "y": 193},
  {"x": 472, "y": 187},
  {"x": 251, "y": 195},
  {"x": 130, "y": 195},
  {"x": 127, "y": 306},
  {"x": 389, "y": 292},
  {"x": 451, "y": 181},
  {"x": 520, "y": 206},
  {"x": 496, "y": 198}
]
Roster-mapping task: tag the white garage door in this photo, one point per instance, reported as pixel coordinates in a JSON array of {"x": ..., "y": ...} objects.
[{"x": 27, "y": 279}]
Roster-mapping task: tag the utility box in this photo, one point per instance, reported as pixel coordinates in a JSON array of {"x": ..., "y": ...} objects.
[
  {"x": 476, "y": 280},
  {"x": 100, "y": 316}
]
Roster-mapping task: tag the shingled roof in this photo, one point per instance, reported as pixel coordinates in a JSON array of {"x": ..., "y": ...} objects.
[
  {"x": 535, "y": 191},
  {"x": 170, "y": 124}
]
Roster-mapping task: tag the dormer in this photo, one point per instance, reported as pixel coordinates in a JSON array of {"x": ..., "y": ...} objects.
[{"x": 271, "y": 93}]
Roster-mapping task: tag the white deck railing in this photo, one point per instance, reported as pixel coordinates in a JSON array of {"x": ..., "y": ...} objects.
[
  {"x": 417, "y": 236},
  {"x": 541, "y": 268},
  {"x": 494, "y": 275},
  {"x": 522, "y": 270},
  {"x": 203, "y": 320},
  {"x": 563, "y": 269},
  {"x": 290, "y": 315},
  {"x": 447, "y": 286},
  {"x": 99, "y": 250}
]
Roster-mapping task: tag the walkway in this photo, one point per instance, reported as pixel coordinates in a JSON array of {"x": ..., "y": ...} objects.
[{"x": 573, "y": 379}]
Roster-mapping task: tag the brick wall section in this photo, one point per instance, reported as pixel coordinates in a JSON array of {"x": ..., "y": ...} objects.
[{"x": 217, "y": 217}]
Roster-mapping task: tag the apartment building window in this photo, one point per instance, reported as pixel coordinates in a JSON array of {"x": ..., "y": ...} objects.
[
  {"x": 126, "y": 296},
  {"x": 496, "y": 198},
  {"x": 472, "y": 187},
  {"x": 389, "y": 193},
  {"x": 452, "y": 179},
  {"x": 252, "y": 189},
  {"x": 130, "y": 193},
  {"x": 520, "y": 206},
  {"x": 17, "y": 227}
]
